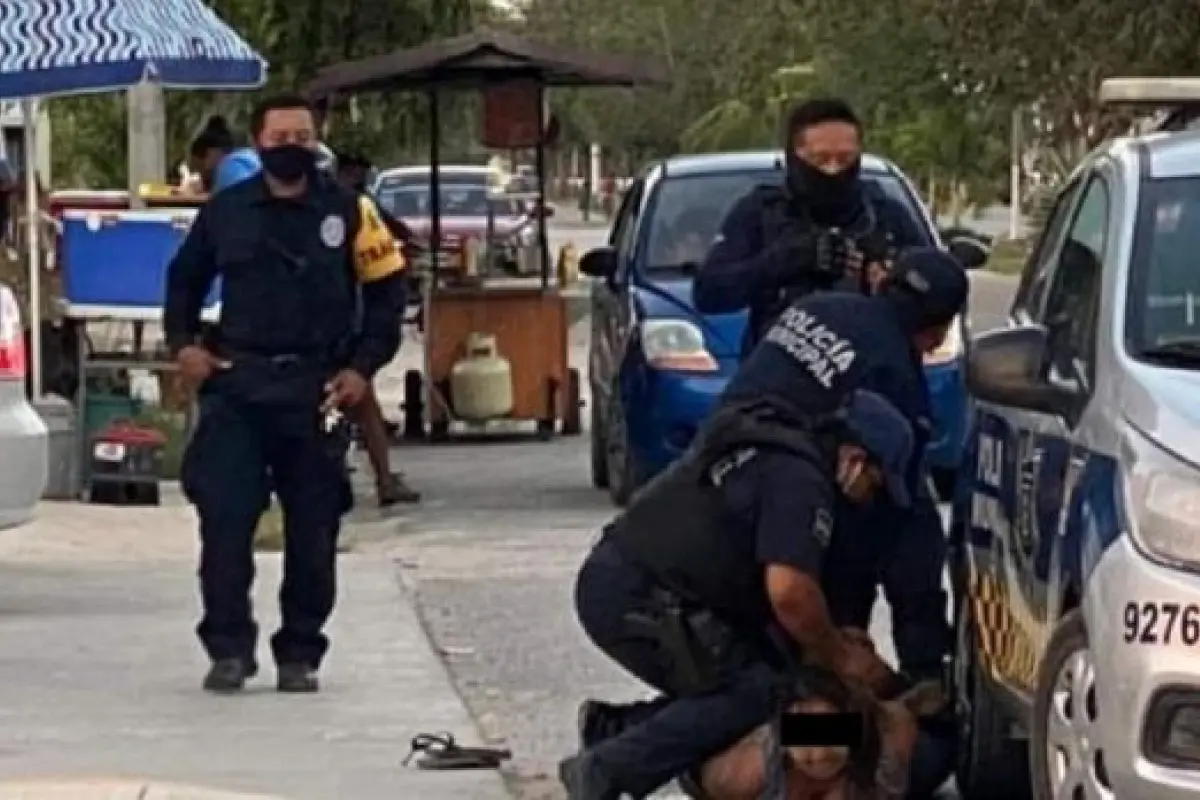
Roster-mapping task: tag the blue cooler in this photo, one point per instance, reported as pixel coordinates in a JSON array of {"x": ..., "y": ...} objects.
[{"x": 119, "y": 258}]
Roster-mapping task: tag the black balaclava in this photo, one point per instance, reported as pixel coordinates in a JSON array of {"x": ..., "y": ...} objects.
[{"x": 835, "y": 199}]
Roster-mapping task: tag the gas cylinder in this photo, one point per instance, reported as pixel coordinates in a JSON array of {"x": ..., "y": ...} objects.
[{"x": 481, "y": 383}]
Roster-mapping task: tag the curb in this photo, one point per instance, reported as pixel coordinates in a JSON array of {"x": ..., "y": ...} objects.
[{"x": 115, "y": 789}]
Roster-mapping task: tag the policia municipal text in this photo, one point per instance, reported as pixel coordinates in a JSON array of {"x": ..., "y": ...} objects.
[{"x": 311, "y": 298}]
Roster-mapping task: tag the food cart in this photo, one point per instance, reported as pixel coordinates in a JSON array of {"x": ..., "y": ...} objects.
[{"x": 495, "y": 349}]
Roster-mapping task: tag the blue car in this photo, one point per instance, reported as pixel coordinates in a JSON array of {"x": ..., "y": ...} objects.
[{"x": 657, "y": 366}]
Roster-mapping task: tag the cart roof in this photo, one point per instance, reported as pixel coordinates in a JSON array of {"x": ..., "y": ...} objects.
[{"x": 481, "y": 58}]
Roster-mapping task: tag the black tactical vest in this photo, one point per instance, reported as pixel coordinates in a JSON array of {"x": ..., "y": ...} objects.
[
  {"x": 781, "y": 219},
  {"x": 680, "y": 530}
]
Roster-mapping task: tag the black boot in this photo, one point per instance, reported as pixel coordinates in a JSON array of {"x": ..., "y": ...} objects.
[
  {"x": 585, "y": 779},
  {"x": 228, "y": 675},
  {"x": 598, "y": 720},
  {"x": 297, "y": 679}
]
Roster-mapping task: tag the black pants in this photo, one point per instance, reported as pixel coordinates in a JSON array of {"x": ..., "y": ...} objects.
[
  {"x": 670, "y": 736},
  {"x": 239, "y": 452}
]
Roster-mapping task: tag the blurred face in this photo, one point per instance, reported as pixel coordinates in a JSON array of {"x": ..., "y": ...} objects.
[
  {"x": 830, "y": 147},
  {"x": 857, "y": 476},
  {"x": 284, "y": 126}
]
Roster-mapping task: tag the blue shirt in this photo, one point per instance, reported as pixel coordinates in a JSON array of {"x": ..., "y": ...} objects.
[{"x": 235, "y": 168}]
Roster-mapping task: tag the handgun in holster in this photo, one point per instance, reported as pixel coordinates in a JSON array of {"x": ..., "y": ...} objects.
[{"x": 693, "y": 640}]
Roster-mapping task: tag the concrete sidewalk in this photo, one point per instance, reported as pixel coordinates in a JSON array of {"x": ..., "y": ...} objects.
[{"x": 100, "y": 676}]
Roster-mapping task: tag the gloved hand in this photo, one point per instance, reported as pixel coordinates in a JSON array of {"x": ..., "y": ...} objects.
[
  {"x": 875, "y": 246},
  {"x": 799, "y": 257}
]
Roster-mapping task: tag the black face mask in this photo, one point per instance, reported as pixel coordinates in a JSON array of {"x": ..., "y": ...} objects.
[
  {"x": 828, "y": 197},
  {"x": 288, "y": 162}
]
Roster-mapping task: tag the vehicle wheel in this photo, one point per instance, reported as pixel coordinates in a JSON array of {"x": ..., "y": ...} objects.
[
  {"x": 625, "y": 475},
  {"x": 1065, "y": 749},
  {"x": 991, "y": 764},
  {"x": 599, "y": 446},
  {"x": 414, "y": 406},
  {"x": 944, "y": 479},
  {"x": 572, "y": 421}
]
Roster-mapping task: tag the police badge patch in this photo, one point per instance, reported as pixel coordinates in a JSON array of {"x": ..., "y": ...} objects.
[{"x": 333, "y": 231}]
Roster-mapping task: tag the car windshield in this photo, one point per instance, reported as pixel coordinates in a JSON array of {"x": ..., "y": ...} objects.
[
  {"x": 1163, "y": 301},
  {"x": 456, "y": 200},
  {"x": 688, "y": 210}
]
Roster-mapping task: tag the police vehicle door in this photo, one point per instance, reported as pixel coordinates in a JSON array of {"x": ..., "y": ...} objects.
[
  {"x": 1028, "y": 461},
  {"x": 611, "y": 303}
]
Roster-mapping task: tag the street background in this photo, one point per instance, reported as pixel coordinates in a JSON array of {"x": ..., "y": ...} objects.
[{"x": 100, "y": 672}]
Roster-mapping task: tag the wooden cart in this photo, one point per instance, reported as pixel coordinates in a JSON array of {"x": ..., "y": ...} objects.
[{"x": 528, "y": 320}]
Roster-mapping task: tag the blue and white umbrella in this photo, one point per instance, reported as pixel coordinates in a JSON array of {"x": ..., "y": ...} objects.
[
  {"x": 64, "y": 47},
  {"x": 59, "y": 47}
]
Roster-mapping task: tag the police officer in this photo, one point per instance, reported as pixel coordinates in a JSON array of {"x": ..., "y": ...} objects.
[
  {"x": 311, "y": 298},
  {"x": 817, "y": 230},
  {"x": 687, "y": 585}
]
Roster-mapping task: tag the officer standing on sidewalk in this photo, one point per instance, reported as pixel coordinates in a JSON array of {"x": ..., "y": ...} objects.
[{"x": 311, "y": 302}]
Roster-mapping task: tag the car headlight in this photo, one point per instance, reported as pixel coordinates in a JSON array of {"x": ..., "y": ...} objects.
[
  {"x": 950, "y": 349},
  {"x": 1162, "y": 502},
  {"x": 676, "y": 344}
]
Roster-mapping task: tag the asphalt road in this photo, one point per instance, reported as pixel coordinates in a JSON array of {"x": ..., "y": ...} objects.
[{"x": 490, "y": 558}]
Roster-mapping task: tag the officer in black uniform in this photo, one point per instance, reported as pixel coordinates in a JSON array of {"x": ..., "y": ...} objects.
[
  {"x": 818, "y": 230},
  {"x": 712, "y": 579},
  {"x": 311, "y": 301}
]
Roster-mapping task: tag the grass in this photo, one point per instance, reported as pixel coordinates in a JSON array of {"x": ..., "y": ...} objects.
[
  {"x": 268, "y": 538},
  {"x": 1008, "y": 257}
]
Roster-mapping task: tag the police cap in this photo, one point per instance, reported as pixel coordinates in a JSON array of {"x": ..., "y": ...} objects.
[
  {"x": 886, "y": 436},
  {"x": 929, "y": 285}
]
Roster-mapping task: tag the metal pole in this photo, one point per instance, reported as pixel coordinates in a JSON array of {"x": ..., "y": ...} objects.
[
  {"x": 1014, "y": 176},
  {"x": 33, "y": 228},
  {"x": 540, "y": 165}
]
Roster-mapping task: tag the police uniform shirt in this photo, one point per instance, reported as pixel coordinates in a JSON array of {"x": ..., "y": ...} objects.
[
  {"x": 784, "y": 500},
  {"x": 288, "y": 268}
]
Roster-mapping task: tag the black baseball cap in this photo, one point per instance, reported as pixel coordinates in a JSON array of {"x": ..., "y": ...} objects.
[
  {"x": 887, "y": 437},
  {"x": 930, "y": 285}
]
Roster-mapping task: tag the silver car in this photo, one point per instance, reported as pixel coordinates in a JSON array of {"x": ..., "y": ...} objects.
[
  {"x": 23, "y": 454},
  {"x": 1076, "y": 526}
]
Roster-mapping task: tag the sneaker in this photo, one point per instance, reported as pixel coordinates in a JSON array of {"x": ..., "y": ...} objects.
[
  {"x": 297, "y": 679},
  {"x": 228, "y": 675},
  {"x": 394, "y": 490}
]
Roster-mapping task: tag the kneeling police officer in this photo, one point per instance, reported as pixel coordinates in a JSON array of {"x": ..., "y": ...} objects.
[
  {"x": 709, "y": 584},
  {"x": 312, "y": 296}
]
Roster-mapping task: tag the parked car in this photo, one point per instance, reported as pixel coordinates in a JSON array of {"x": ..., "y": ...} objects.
[
  {"x": 1075, "y": 529},
  {"x": 471, "y": 210},
  {"x": 656, "y": 365},
  {"x": 24, "y": 460}
]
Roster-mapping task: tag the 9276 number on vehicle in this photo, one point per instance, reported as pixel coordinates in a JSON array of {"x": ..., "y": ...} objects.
[{"x": 1162, "y": 623}]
